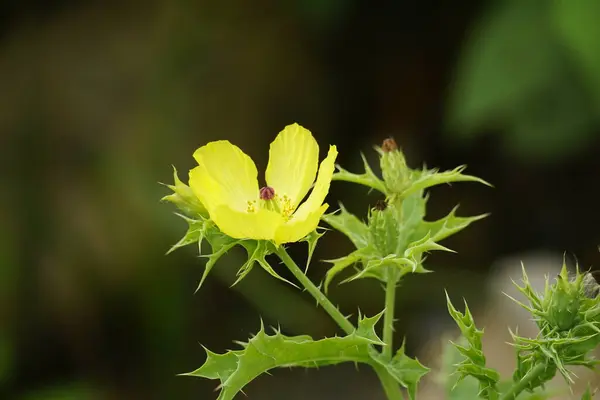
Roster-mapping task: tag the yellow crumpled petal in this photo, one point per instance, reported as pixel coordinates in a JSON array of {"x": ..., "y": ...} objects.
[
  {"x": 224, "y": 175},
  {"x": 293, "y": 161}
]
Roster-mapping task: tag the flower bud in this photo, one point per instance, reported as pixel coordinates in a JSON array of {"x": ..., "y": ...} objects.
[
  {"x": 384, "y": 228},
  {"x": 393, "y": 166},
  {"x": 185, "y": 199},
  {"x": 568, "y": 315},
  {"x": 563, "y": 305}
]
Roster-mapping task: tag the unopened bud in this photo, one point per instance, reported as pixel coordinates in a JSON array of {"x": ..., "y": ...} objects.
[
  {"x": 393, "y": 167},
  {"x": 185, "y": 199},
  {"x": 384, "y": 228}
]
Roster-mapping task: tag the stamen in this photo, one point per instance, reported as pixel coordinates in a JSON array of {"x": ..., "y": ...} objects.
[{"x": 266, "y": 193}]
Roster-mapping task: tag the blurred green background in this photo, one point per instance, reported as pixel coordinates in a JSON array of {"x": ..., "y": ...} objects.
[{"x": 99, "y": 99}]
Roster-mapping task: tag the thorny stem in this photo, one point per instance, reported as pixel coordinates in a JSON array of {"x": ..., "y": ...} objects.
[
  {"x": 390, "y": 386},
  {"x": 524, "y": 383}
]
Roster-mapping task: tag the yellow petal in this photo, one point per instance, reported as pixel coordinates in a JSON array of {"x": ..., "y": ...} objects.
[
  {"x": 319, "y": 192},
  {"x": 295, "y": 229},
  {"x": 293, "y": 160},
  {"x": 261, "y": 224},
  {"x": 225, "y": 175}
]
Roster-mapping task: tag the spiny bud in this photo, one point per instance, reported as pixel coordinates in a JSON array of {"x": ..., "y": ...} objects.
[
  {"x": 568, "y": 315},
  {"x": 384, "y": 228},
  {"x": 563, "y": 304},
  {"x": 393, "y": 166},
  {"x": 184, "y": 198}
]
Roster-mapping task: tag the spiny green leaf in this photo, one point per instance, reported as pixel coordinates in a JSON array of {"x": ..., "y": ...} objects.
[
  {"x": 348, "y": 224},
  {"x": 407, "y": 371},
  {"x": 257, "y": 251},
  {"x": 445, "y": 227},
  {"x": 194, "y": 234},
  {"x": 456, "y": 387},
  {"x": 312, "y": 239},
  {"x": 218, "y": 366},
  {"x": 413, "y": 208},
  {"x": 340, "y": 264},
  {"x": 427, "y": 178},
  {"x": 471, "y": 348},
  {"x": 368, "y": 178},
  {"x": 426, "y": 244},
  {"x": 366, "y": 328},
  {"x": 263, "y": 352},
  {"x": 213, "y": 258},
  {"x": 200, "y": 230},
  {"x": 376, "y": 268}
]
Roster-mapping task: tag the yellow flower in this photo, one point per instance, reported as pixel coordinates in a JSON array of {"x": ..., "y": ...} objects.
[{"x": 225, "y": 181}]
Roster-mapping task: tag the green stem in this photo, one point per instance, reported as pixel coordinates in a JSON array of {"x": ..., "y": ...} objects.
[
  {"x": 388, "y": 317},
  {"x": 390, "y": 386},
  {"x": 323, "y": 301},
  {"x": 524, "y": 383}
]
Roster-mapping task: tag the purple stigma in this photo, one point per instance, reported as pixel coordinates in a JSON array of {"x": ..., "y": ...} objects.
[{"x": 266, "y": 193}]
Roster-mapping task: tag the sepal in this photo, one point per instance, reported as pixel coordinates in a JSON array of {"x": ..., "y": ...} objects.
[{"x": 184, "y": 198}]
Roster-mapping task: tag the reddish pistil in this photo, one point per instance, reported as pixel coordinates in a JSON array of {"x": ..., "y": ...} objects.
[
  {"x": 389, "y": 145},
  {"x": 266, "y": 193}
]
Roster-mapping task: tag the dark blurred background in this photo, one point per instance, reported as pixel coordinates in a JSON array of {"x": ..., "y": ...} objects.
[{"x": 99, "y": 99}]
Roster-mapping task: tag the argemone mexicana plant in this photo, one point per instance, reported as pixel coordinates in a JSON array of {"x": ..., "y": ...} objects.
[{"x": 225, "y": 207}]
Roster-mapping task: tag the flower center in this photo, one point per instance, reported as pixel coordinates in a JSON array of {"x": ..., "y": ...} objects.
[
  {"x": 266, "y": 193},
  {"x": 269, "y": 199},
  {"x": 274, "y": 202}
]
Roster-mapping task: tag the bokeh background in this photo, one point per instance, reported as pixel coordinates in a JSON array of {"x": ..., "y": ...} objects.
[{"x": 99, "y": 99}]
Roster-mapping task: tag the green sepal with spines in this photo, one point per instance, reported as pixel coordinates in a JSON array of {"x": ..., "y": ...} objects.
[
  {"x": 184, "y": 198},
  {"x": 203, "y": 230}
]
